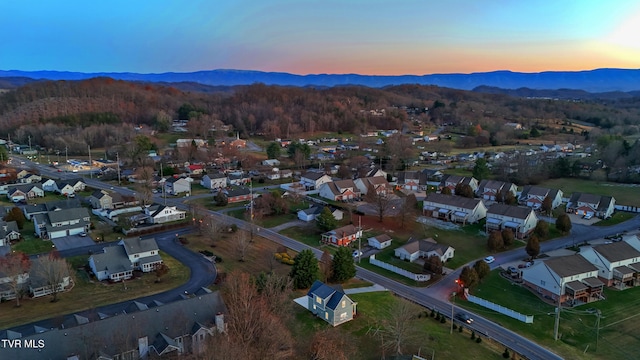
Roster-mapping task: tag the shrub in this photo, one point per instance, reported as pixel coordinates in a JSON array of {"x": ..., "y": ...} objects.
[
  {"x": 455, "y": 327},
  {"x": 473, "y": 335},
  {"x": 234, "y": 228},
  {"x": 183, "y": 240},
  {"x": 218, "y": 259},
  {"x": 478, "y": 340},
  {"x": 443, "y": 320},
  {"x": 433, "y": 313},
  {"x": 278, "y": 256},
  {"x": 461, "y": 328},
  {"x": 506, "y": 354}
]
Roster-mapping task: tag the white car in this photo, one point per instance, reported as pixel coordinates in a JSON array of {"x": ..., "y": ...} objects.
[
  {"x": 357, "y": 253},
  {"x": 489, "y": 259}
]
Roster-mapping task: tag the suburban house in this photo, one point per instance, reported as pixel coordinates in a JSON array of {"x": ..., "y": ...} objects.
[
  {"x": 160, "y": 214},
  {"x": 195, "y": 169},
  {"x": 49, "y": 185},
  {"x": 310, "y": 213},
  {"x": 618, "y": 263},
  {"x": 376, "y": 172},
  {"x": 454, "y": 208},
  {"x": 214, "y": 181},
  {"x": 379, "y": 242},
  {"x": 522, "y": 220},
  {"x": 341, "y": 190},
  {"x": 30, "y": 179},
  {"x": 332, "y": 305},
  {"x": 103, "y": 199},
  {"x": 423, "y": 249},
  {"x": 8, "y": 232},
  {"x": 111, "y": 264},
  {"x": 409, "y": 180},
  {"x": 177, "y": 185},
  {"x": 572, "y": 279},
  {"x": 61, "y": 222},
  {"x": 489, "y": 189},
  {"x": 533, "y": 196},
  {"x": 285, "y": 174},
  {"x": 239, "y": 179},
  {"x": 237, "y": 194},
  {"x": 451, "y": 181},
  {"x": 378, "y": 183},
  {"x": 590, "y": 204},
  {"x": 271, "y": 162},
  {"x": 342, "y": 236},
  {"x": 312, "y": 180},
  {"x": 162, "y": 330},
  {"x": 25, "y": 191},
  {"x": 142, "y": 253}
]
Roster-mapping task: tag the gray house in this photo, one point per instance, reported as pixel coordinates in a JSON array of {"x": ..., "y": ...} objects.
[
  {"x": 330, "y": 304},
  {"x": 62, "y": 222},
  {"x": 111, "y": 264}
]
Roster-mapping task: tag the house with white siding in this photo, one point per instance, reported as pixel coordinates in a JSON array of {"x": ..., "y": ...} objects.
[
  {"x": 590, "y": 204},
  {"x": 454, "y": 208},
  {"x": 522, "y": 220},
  {"x": 533, "y": 196},
  {"x": 618, "y": 263}
]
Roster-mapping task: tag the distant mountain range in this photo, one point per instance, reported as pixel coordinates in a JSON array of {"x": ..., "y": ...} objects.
[{"x": 599, "y": 80}]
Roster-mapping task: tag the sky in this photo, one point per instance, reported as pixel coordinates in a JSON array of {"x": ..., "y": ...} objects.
[{"x": 376, "y": 37}]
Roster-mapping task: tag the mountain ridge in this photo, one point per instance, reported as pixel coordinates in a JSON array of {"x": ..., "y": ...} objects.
[{"x": 597, "y": 80}]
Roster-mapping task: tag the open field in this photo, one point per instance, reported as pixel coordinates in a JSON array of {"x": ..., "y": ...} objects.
[
  {"x": 577, "y": 326},
  {"x": 430, "y": 337},
  {"x": 625, "y": 194},
  {"x": 89, "y": 293},
  {"x": 617, "y": 218}
]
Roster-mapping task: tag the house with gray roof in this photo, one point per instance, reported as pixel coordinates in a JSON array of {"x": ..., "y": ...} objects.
[
  {"x": 451, "y": 181},
  {"x": 111, "y": 264},
  {"x": 453, "y": 208},
  {"x": 34, "y": 209},
  {"x": 177, "y": 185},
  {"x": 591, "y": 204},
  {"x": 61, "y": 222},
  {"x": 142, "y": 253},
  {"x": 571, "y": 279},
  {"x": 423, "y": 249},
  {"x": 179, "y": 328},
  {"x": 618, "y": 263},
  {"x": 533, "y": 196},
  {"x": 310, "y": 214},
  {"x": 330, "y": 304},
  {"x": 160, "y": 214},
  {"x": 24, "y": 191},
  {"x": 8, "y": 232},
  {"x": 522, "y": 220},
  {"x": 494, "y": 189}
]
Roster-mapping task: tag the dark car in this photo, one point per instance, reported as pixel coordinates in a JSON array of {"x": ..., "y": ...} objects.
[{"x": 464, "y": 317}]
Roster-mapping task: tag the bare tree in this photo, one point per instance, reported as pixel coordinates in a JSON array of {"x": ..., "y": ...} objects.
[
  {"x": 329, "y": 344},
  {"x": 326, "y": 266},
  {"x": 144, "y": 184},
  {"x": 407, "y": 211},
  {"x": 242, "y": 244},
  {"x": 380, "y": 201},
  {"x": 398, "y": 330},
  {"x": 210, "y": 228},
  {"x": 52, "y": 272},
  {"x": 15, "y": 269}
]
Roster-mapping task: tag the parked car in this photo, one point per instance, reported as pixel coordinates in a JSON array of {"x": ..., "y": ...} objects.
[
  {"x": 464, "y": 317},
  {"x": 489, "y": 259},
  {"x": 83, "y": 234},
  {"x": 512, "y": 270},
  {"x": 588, "y": 216},
  {"x": 357, "y": 253}
]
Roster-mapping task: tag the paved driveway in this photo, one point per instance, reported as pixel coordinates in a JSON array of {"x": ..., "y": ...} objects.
[{"x": 72, "y": 242}]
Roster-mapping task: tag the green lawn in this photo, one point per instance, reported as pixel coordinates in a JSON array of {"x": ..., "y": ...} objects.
[
  {"x": 617, "y": 218},
  {"x": 309, "y": 236},
  {"x": 427, "y": 335},
  {"x": 577, "y": 326},
  {"x": 623, "y": 193}
]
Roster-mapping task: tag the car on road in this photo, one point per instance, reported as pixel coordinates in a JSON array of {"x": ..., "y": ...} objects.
[
  {"x": 489, "y": 259},
  {"x": 357, "y": 253},
  {"x": 464, "y": 317}
]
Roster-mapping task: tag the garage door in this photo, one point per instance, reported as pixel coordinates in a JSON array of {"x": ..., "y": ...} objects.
[{"x": 58, "y": 234}]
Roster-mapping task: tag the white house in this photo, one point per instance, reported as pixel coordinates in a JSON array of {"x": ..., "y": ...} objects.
[
  {"x": 451, "y": 181},
  {"x": 142, "y": 253},
  {"x": 271, "y": 162},
  {"x": 522, "y": 220},
  {"x": 175, "y": 186},
  {"x": 572, "y": 279},
  {"x": 533, "y": 196},
  {"x": 160, "y": 214},
  {"x": 378, "y": 183},
  {"x": 342, "y": 190},
  {"x": 424, "y": 249},
  {"x": 380, "y": 242},
  {"x": 61, "y": 223},
  {"x": 111, "y": 264},
  {"x": 214, "y": 181},
  {"x": 310, "y": 213},
  {"x": 454, "y": 208},
  {"x": 618, "y": 263},
  {"x": 590, "y": 204},
  {"x": 489, "y": 189},
  {"x": 312, "y": 180}
]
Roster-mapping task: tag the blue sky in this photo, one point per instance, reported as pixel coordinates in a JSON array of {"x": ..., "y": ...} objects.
[{"x": 303, "y": 36}]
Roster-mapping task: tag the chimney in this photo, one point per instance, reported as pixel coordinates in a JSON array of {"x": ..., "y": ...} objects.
[{"x": 220, "y": 325}]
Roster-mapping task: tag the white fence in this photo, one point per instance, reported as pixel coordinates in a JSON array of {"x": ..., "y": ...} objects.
[
  {"x": 633, "y": 209},
  {"x": 501, "y": 309},
  {"x": 397, "y": 270}
]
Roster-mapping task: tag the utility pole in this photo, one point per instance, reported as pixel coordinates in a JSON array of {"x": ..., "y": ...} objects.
[
  {"x": 557, "y": 324},
  {"x": 598, "y": 314},
  {"x": 162, "y": 179},
  {"x": 359, "y": 239},
  {"x": 251, "y": 207},
  {"x": 29, "y": 142},
  {"x": 90, "y": 163},
  {"x": 118, "y": 166},
  {"x": 66, "y": 154},
  {"x": 453, "y": 301}
]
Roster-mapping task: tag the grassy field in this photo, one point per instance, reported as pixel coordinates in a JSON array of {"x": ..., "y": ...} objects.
[
  {"x": 430, "y": 337},
  {"x": 88, "y": 293},
  {"x": 617, "y": 218},
  {"x": 577, "y": 326},
  {"x": 625, "y": 194}
]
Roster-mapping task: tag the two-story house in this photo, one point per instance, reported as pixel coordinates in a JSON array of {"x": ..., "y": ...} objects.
[
  {"x": 409, "y": 180},
  {"x": 239, "y": 178},
  {"x": 312, "y": 180},
  {"x": 590, "y": 204},
  {"x": 177, "y": 185},
  {"x": 454, "y": 208},
  {"x": 160, "y": 214},
  {"x": 61, "y": 222},
  {"x": 493, "y": 190},
  {"x": 142, "y": 253},
  {"x": 533, "y": 196},
  {"x": 451, "y": 181},
  {"x": 342, "y": 190},
  {"x": 378, "y": 183},
  {"x": 331, "y": 305},
  {"x": 237, "y": 194},
  {"x": 342, "y": 236},
  {"x": 30, "y": 179},
  {"x": 522, "y": 220},
  {"x": 111, "y": 264},
  {"x": 8, "y": 232},
  {"x": 571, "y": 279},
  {"x": 214, "y": 181},
  {"x": 618, "y": 263}
]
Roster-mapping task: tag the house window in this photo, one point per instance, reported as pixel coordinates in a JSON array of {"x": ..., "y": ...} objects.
[
  {"x": 326, "y": 315},
  {"x": 344, "y": 304},
  {"x": 318, "y": 300},
  {"x": 343, "y": 316}
]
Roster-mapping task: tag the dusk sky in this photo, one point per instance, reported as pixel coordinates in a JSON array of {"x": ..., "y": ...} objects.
[{"x": 308, "y": 37}]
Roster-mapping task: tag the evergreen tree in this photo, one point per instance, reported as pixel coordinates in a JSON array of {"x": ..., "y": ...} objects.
[
  {"x": 542, "y": 229},
  {"x": 305, "y": 269},
  {"x": 343, "y": 266},
  {"x": 563, "y": 223},
  {"x": 481, "y": 169},
  {"x": 273, "y": 150},
  {"x": 326, "y": 221},
  {"x": 547, "y": 205},
  {"x": 221, "y": 199}
]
